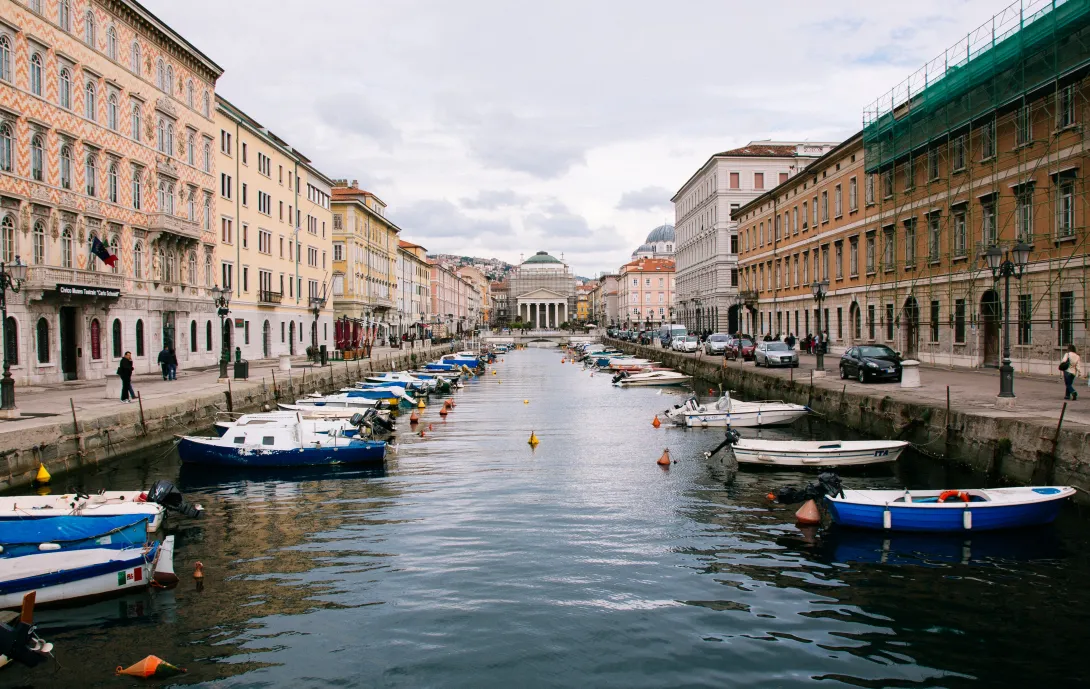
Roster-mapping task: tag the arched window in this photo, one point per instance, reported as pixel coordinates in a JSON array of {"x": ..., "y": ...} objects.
[
  {"x": 39, "y": 243},
  {"x": 66, "y": 247},
  {"x": 205, "y": 107},
  {"x": 11, "y": 341},
  {"x": 137, "y": 190},
  {"x": 160, "y": 74},
  {"x": 207, "y": 213},
  {"x": 111, "y": 43},
  {"x": 136, "y": 122},
  {"x": 207, "y": 166},
  {"x": 5, "y": 58},
  {"x": 96, "y": 339},
  {"x": 37, "y": 158},
  {"x": 115, "y": 338},
  {"x": 7, "y": 239},
  {"x": 208, "y": 336},
  {"x": 191, "y": 148},
  {"x": 191, "y": 205},
  {"x": 66, "y": 167},
  {"x": 36, "y": 74},
  {"x": 111, "y": 183},
  {"x": 64, "y": 15},
  {"x": 139, "y": 337},
  {"x": 89, "y": 28},
  {"x": 5, "y": 147},
  {"x": 170, "y": 139},
  {"x": 192, "y": 277},
  {"x": 161, "y": 138},
  {"x": 134, "y": 57},
  {"x": 166, "y": 197},
  {"x": 189, "y": 94},
  {"x": 192, "y": 336},
  {"x": 64, "y": 89},
  {"x": 138, "y": 261},
  {"x": 170, "y": 79},
  {"x": 89, "y": 103},
  {"x": 111, "y": 112},
  {"x": 43, "y": 341},
  {"x": 207, "y": 270},
  {"x": 114, "y": 247},
  {"x": 90, "y": 173}
]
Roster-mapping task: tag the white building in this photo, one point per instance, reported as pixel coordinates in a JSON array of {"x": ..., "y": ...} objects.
[{"x": 706, "y": 252}]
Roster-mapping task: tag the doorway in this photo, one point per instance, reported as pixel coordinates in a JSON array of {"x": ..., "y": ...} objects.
[
  {"x": 266, "y": 340},
  {"x": 912, "y": 328},
  {"x": 69, "y": 344},
  {"x": 989, "y": 322},
  {"x": 732, "y": 318},
  {"x": 291, "y": 337},
  {"x": 168, "y": 329},
  {"x": 225, "y": 340}
]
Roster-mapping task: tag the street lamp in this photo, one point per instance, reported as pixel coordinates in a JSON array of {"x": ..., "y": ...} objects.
[
  {"x": 1014, "y": 265},
  {"x": 696, "y": 305},
  {"x": 222, "y": 299},
  {"x": 820, "y": 289},
  {"x": 12, "y": 276}
]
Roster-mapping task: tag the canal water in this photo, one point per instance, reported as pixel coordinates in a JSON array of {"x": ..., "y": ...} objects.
[{"x": 476, "y": 561}]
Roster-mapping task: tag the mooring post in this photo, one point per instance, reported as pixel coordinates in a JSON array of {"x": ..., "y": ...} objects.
[
  {"x": 75, "y": 425},
  {"x": 276, "y": 392},
  {"x": 143, "y": 423}
]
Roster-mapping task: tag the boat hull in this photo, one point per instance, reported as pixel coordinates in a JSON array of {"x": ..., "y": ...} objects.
[
  {"x": 743, "y": 419},
  {"x": 354, "y": 452},
  {"x": 33, "y": 507},
  {"x": 655, "y": 382},
  {"x": 799, "y": 457},
  {"x": 945, "y": 517}
]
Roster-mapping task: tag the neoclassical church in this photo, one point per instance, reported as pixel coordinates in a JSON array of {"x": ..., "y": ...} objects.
[
  {"x": 659, "y": 244},
  {"x": 543, "y": 289}
]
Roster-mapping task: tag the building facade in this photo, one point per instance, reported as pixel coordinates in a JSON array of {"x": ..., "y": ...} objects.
[
  {"x": 274, "y": 247},
  {"x": 543, "y": 291},
  {"x": 451, "y": 300},
  {"x": 106, "y": 132},
  {"x": 646, "y": 288},
  {"x": 365, "y": 246},
  {"x": 480, "y": 306},
  {"x": 413, "y": 289},
  {"x": 500, "y": 313},
  {"x": 706, "y": 250}
]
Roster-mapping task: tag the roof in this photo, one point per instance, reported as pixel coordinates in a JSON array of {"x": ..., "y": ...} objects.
[
  {"x": 408, "y": 245},
  {"x": 142, "y": 12},
  {"x": 758, "y": 149},
  {"x": 650, "y": 265},
  {"x": 542, "y": 257},
  {"x": 662, "y": 233}
]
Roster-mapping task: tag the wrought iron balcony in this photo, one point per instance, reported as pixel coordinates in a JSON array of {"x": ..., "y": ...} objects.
[
  {"x": 749, "y": 297},
  {"x": 269, "y": 298}
]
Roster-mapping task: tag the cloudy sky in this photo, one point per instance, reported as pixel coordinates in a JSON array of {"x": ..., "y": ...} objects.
[{"x": 499, "y": 128}]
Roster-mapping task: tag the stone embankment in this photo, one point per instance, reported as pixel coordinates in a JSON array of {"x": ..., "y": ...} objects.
[
  {"x": 1023, "y": 446},
  {"x": 98, "y": 436}
]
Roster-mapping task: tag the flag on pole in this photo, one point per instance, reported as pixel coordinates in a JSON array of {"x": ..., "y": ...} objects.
[{"x": 99, "y": 249}]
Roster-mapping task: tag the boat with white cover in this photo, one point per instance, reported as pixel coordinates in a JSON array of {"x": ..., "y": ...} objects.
[
  {"x": 625, "y": 379},
  {"x": 734, "y": 413},
  {"x": 339, "y": 422},
  {"x": 110, "y": 503},
  {"x": 819, "y": 453}
]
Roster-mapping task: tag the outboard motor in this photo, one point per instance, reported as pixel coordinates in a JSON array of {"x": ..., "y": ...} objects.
[
  {"x": 829, "y": 483},
  {"x": 373, "y": 419},
  {"x": 620, "y": 376},
  {"x": 19, "y": 643},
  {"x": 732, "y": 438},
  {"x": 165, "y": 493}
]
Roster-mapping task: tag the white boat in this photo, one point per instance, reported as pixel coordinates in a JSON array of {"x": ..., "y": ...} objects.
[
  {"x": 335, "y": 401},
  {"x": 734, "y": 413},
  {"x": 625, "y": 379},
  {"x": 74, "y": 575},
  {"x": 821, "y": 453},
  {"x": 403, "y": 379},
  {"x": 339, "y": 424},
  {"x": 616, "y": 363},
  {"x": 110, "y": 503}
]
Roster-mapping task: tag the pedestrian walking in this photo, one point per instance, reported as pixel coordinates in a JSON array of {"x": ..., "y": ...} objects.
[
  {"x": 164, "y": 361},
  {"x": 1071, "y": 365},
  {"x": 790, "y": 341},
  {"x": 172, "y": 364},
  {"x": 124, "y": 372}
]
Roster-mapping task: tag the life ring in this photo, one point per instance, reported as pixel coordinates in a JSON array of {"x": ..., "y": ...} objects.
[{"x": 959, "y": 494}]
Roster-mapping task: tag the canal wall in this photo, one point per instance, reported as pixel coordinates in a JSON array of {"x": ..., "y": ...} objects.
[
  {"x": 1025, "y": 451},
  {"x": 95, "y": 439}
]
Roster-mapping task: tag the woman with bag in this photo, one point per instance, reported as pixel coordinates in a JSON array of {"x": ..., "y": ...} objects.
[{"x": 1071, "y": 365}]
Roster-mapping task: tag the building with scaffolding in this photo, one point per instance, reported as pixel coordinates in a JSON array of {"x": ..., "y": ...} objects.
[{"x": 983, "y": 147}]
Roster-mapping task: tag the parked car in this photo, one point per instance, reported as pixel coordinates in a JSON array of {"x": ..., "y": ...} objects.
[
  {"x": 775, "y": 353},
  {"x": 687, "y": 343},
  {"x": 716, "y": 344},
  {"x": 740, "y": 348},
  {"x": 867, "y": 363}
]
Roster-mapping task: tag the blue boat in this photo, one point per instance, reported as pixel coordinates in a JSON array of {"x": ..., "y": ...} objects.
[
  {"x": 948, "y": 511},
  {"x": 297, "y": 444},
  {"x": 31, "y": 536}
]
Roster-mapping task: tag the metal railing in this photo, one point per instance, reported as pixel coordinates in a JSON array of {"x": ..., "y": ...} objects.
[{"x": 265, "y": 296}]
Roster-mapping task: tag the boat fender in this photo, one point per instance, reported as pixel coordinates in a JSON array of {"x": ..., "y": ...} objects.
[
  {"x": 967, "y": 519},
  {"x": 948, "y": 494}
]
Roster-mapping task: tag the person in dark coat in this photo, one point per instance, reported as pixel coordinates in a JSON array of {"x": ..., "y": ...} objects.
[
  {"x": 790, "y": 341},
  {"x": 172, "y": 363},
  {"x": 124, "y": 372},
  {"x": 164, "y": 362}
]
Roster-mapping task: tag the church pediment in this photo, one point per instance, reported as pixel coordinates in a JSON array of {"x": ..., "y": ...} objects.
[{"x": 541, "y": 294}]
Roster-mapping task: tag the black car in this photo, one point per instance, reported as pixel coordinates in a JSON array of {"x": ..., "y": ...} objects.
[{"x": 866, "y": 363}]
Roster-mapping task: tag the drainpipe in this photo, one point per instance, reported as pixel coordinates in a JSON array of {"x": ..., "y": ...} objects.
[
  {"x": 295, "y": 225},
  {"x": 238, "y": 209}
]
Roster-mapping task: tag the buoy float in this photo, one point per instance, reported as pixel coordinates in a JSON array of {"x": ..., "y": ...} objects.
[
  {"x": 431, "y": 426},
  {"x": 421, "y": 405},
  {"x": 43, "y": 475},
  {"x": 421, "y": 432},
  {"x": 664, "y": 460},
  {"x": 656, "y": 423},
  {"x": 414, "y": 417},
  {"x": 493, "y": 372},
  {"x": 711, "y": 391},
  {"x": 533, "y": 440},
  {"x": 562, "y": 361},
  {"x": 443, "y": 411},
  {"x": 152, "y": 666},
  {"x": 525, "y": 401},
  {"x": 808, "y": 513}
]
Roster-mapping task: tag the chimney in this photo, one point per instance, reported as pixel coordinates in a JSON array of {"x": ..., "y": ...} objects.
[{"x": 355, "y": 184}]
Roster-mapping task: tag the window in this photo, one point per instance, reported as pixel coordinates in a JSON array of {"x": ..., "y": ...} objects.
[
  {"x": 1067, "y": 318},
  {"x": 207, "y": 213},
  {"x": 987, "y": 140},
  {"x": 7, "y": 239},
  {"x": 959, "y": 321},
  {"x": 37, "y": 158},
  {"x": 226, "y": 231},
  {"x": 138, "y": 261},
  {"x": 934, "y": 321},
  {"x": 42, "y": 336},
  {"x": 208, "y": 336},
  {"x": 244, "y": 190},
  {"x": 89, "y": 103},
  {"x": 90, "y": 173},
  {"x": 264, "y": 203},
  {"x": 39, "y": 243},
  {"x": 244, "y": 162},
  {"x": 987, "y": 223},
  {"x": 161, "y": 136},
  {"x": 839, "y": 260},
  {"x": 225, "y": 185},
  {"x": 111, "y": 183},
  {"x": 5, "y": 58},
  {"x": 191, "y": 269},
  {"x": 1065, "y": 107},
  {"x": 170, "y": 79},
  {"x": 824, "y": 263},
  {"x": 191, "y": 148},
  {"x": 805, "y": 217},
  {"x": 853, "y": 257},
  {"x": 1023, "y": 126},
  {"x": 910, "y": 173},
  {"x": 89, "y": 31},
  {"x": 264, "y": 241},
  {"x": 735, "y": 181},
  {"x": 246, "y": 279},
  {"x": 910, "y": 242},
  {"x": 245, "y": 236},
  {"x": 814, "y": 214},
  {"x": 64, "y": 89},
  {"x": 191, "y": 204},
  {"x": 208, "y": 270},
  {"x": 758, "y": 180},
  {"x": 227, "y": 273},
  {"x": 1023, "y": 213},
  {"x": 139, "y": 337},
  {"x": 189, "y": 94},
  {"x": 205, "y": 107},
  {"x": 960, "y": 246},
  {"x": 869, "y": 179},
  {"x": 783, "y": 177},
  {"x": 137, "y": 189},
  {"x": 933, "y": 237},
  {"x": 193, "y": 336},
  {"x": 160, "y": 74},
  {"x": 794, "y": 223},
  {"x": 166, "y": 196},
  {"x": 135, "y": 121},
  {"x": 36, "y": 74},
  {"x": 134, "y": 57},
  {"x": 824, "y": 206},
  {"x": 338, "y": 251},
  {"x": 838, "y": 202},
  {"x": 889, "y": 322},
  {"x": 870, "y": 321},
  {"x": 111, "y": 112},
  {"x": 887, "y": 184},
  {"x": 1025, "y": 316},
  {"x": 66, "y": 167},
  {"x": 853, "y": 194},
  {"x": 1065, "y": 209},
  {"x": 225, "y": 142},
  {"x": 66, "y": 247},
  {"x": 207, "y": 161},
  {"x": 64, "y": 15},
  {"x": 959, "y": 153},
  {"x": 115, "y": 249},
  {"x": 870, "y": 252},
  {"x": 111, "y": 43}
]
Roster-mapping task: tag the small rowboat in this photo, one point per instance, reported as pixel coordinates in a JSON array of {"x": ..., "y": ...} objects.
[
  {"x": 625, "y": 379},
  {"x": 975, "y": 509},
  {"x": 802, "y": 453}
]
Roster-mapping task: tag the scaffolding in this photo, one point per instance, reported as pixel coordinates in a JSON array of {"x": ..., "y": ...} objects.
[{"x": 982, "y": 141}]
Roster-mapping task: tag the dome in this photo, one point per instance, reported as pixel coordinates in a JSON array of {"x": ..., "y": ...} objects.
[
  {"x": 542, "y": 257},
  {"x": 662, "y": 233},
  {"x": 644, "y": 249}
]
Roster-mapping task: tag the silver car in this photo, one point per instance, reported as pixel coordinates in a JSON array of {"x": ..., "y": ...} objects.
[
  {"x": 775, "y": 354},
  {"x": 689, "y": 343},
  {"x": 716, "y": 344}
]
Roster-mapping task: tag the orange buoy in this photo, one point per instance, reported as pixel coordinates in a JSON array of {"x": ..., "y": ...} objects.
[
  {"x": 431, "y": 426},
  {"x": 414, "y": 417},
  {"x": 711, "y": 391},
  {"x": 443, "y": 411},
  {"x": 664, "y": 460},
  {"x": 152, "y": 666},
  {"x": 808, "y": 513},
  {"x": 656, "y": 423},
  {"x": 562, "y": 361},
  {"x": 421, "y": 432},
  {"x": 198, "y": 570}
]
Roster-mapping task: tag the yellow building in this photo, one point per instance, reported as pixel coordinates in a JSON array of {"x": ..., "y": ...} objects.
[
  {"x": 364, "y": 257},
  {"x": 274, "y": 239}
]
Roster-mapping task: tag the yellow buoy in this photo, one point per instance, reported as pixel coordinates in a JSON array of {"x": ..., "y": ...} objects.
[
  {"x": 421, "y": 405},
  {"x": 43, "y": 475},
  {"x": 493, "y": 373},
  {"x": 525, "y": 401},
  {"x": 533, "y": 440}
]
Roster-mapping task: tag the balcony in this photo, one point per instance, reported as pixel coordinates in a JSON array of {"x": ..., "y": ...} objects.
[
  {"x": 183, "y": 228},
  {"x": 267, "y": 297},
  {"x": 45, "y": 279},
  {"x": 749, "y": 297}
]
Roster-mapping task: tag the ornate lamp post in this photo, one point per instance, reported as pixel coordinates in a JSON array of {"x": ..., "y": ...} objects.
[
  {"x": 1013, "y": 265},
  {"x": 820, "y": 289},
  {"x": 12, "y": 276},
  {"x": 222, "y": 299}
]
